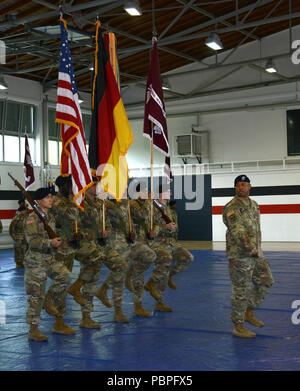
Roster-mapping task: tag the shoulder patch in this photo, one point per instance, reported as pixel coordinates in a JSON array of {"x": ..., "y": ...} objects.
[{"x": 230, "y": 213}]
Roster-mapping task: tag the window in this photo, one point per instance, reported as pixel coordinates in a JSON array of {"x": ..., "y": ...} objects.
[
  {"x": 16, "y": 120},
  {"x": 54, "y": 143}
]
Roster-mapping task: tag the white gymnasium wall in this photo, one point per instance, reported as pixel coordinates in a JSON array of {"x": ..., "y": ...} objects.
[{"x": 275, "y": 227}]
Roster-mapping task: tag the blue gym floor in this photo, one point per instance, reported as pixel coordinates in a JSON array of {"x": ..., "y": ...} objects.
[{"x": 195, "y": 337}]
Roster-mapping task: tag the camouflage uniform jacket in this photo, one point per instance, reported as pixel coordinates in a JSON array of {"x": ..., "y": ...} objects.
[
  {"x": 243, "y": 235},
  {"x": 90, "y": 220},
  {"x": 118, "y": 216},
  {"x": 37, "y": 238},
  {"x": 140, "y": 214},
  {"x": 174, "y": 218},
  {"x": 1, "y": 227},
  {"x": 162, "y": 234},
  {"x": 16, "y": 227},
  {"x": 65, "y": 212}
]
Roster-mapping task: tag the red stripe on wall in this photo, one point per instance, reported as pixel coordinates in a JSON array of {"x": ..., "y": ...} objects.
[
  {"x": 7, "y": 214},
  {"x": 267, "y": 209}
]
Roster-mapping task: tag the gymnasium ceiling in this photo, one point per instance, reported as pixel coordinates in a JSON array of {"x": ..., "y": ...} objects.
[{"x": 182, "y": 27}]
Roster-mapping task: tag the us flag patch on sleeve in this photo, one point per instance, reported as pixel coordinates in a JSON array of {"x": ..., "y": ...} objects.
[{"x": 230, "y": 213}]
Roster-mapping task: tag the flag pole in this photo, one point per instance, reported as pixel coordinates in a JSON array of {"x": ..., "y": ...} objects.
[{"x": 151, "y": 178}]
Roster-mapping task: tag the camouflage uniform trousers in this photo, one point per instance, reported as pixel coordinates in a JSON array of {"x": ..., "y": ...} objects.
[
  {"x": 162, "y": 266},
  {"x": 90, "y": 257},
  {"x": 141, "y": 257},
  {"x": 242, "y": 272},
  {"x": 182, "y": 257},
  {"x": 20, "y": 248},
  {"x": 117, "y": 265},
  {"x": 37, "y": 269}
]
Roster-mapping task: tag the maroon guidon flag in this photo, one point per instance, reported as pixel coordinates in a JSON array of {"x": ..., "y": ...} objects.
[
  {"x": 28, "y": 166},
  {"x": 155, "y": 112}
]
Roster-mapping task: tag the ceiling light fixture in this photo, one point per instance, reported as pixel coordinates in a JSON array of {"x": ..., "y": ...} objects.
[
  {"x": 133, "y": 8},
  {"x": 213, "y": 41},
  {"x": 3, "y": 84},
  {"x": 270, "y": 66}
]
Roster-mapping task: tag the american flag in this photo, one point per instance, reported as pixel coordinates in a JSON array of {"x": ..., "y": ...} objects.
[{"x": 74, "y": 158}]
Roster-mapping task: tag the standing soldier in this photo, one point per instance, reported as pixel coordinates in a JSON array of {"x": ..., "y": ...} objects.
[
  {"x": 246, "y": 260},
  {"x": 40, "y": 263},
  {"x": 182, "y": 257},
  {"x": 16, "y": 231},
  {"x": 141, "y": 256}
]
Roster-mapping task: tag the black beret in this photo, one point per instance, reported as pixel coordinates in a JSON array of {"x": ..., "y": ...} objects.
[
  {"x": 41, "y": 193},
  {"x": 63, "y": 180},
  {"x": 241, "y": 178},
  {"x": 21, "y": 208}
]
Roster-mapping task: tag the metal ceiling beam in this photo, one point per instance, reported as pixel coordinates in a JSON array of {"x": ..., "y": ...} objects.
[
  {"x": 223, "y": 66},
  {"x": 49, "y": 14},
  {"x": 258, "y": 23},
  {"x": 261, "y": 69},
  {"x": 220, "y": 91},
  {"x": 216, "y": 80},
  {"x": 182, "y": 12},
  {"x": 252, "y": 31},
  {"x": 215, "y": 20}
]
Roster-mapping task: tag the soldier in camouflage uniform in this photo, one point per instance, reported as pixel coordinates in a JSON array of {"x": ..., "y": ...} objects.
[
  {"x": 67, "y": 216},
  {"x": 141, "y": 256},
  {"x": 16, "y": 231},
  {"x": 40, "y": 263},
  {"x": 66, "y": 213},
  {"x": 118, "y": 241},
  {"x": 166, "y": 248},
  {"x": 95, "y": 248},
  {"x": 246, "y": 260}
]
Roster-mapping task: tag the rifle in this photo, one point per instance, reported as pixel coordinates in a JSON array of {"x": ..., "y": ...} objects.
[
  {"x": 163, "y": 215},
  {"x": 36, "y": 208}
]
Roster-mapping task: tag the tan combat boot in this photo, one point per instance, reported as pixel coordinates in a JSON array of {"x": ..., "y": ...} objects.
[
  {"x": 101, "y": 294},
  {"x": 140, "y": 311},
  {"x": 250, "y": 318},
  {"x": 128, "y": 282},
  {"x": 160, "y": 306},
  {"x": 61, "y": 328},
  {"x": 150, "y": 287},
  {"x": 74, "y": 290},
  {"x": 48, "y": 306},
  {"x": 171, "y": 283},
  {"x": 35, "y": 334},
  {"x": 240, "y": 331},
  {"x": 87, "y": 322},
  {"x": 119, "y": 316}
]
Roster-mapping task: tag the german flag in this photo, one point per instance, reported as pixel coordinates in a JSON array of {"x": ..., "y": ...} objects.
[{"x": 111, "y": 134}]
